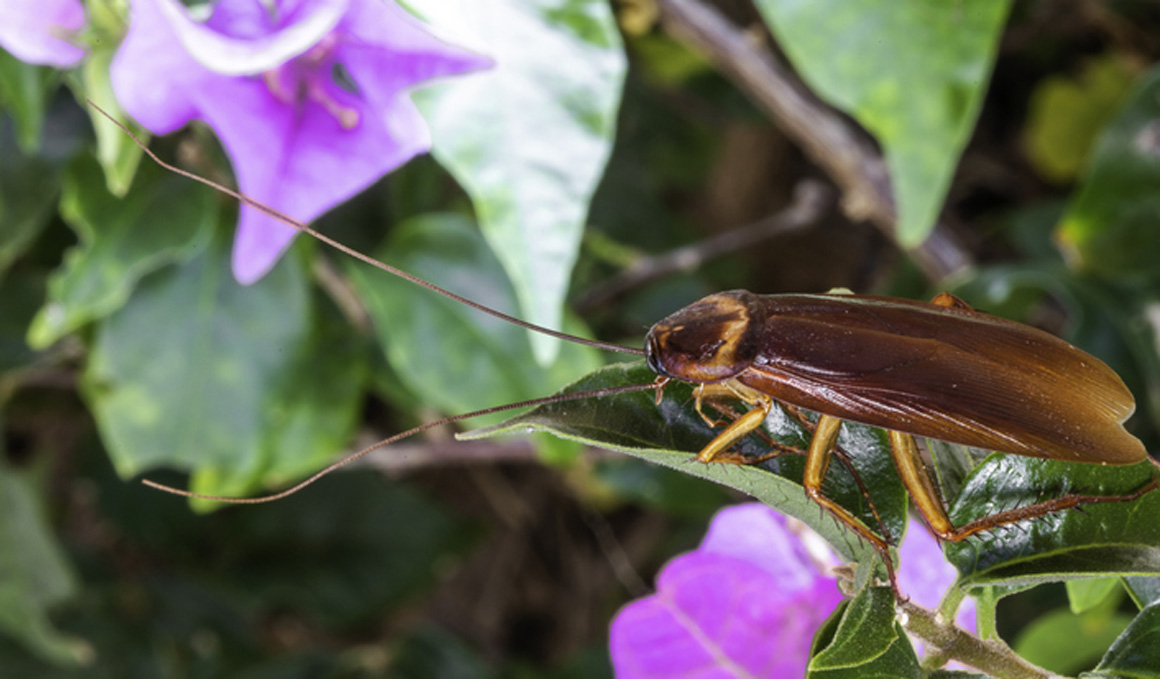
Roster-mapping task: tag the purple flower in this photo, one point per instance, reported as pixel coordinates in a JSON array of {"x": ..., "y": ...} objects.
[
  {"x": 748, "y": 601},
  {"x": 39, "y": 31},
  {"x": 309, "y": 98}
]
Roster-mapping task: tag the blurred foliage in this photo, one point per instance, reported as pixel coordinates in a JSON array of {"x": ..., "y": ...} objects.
[{"x": 127, "y": 349}]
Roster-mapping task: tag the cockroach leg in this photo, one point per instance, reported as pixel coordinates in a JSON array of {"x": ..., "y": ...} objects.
[
  {"x": 919, "y": 484},
  {"x": 659, "y": 384},
  {"x": 736, "y": 431},
  {"x": 723, "y": 455},
  {"x": 817, "y": 463},
  {"x": 800, "y": 417}
]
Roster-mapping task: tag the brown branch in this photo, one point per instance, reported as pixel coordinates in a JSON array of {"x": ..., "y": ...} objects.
[
  {"x": 992, "y": 657},
  {"x": 836, "y": 145},
  {"x": 811, "y": 201}
]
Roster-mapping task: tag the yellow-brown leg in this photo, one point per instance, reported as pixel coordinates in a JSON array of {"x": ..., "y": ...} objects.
[
  {"x": 739, "y": 429},
  {"x": 921, "y": 488},
  {"x": 817, "y": 462},
  {"x": 821, "y": 450}
]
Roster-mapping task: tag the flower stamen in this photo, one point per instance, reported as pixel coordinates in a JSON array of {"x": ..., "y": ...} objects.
[{"x": 347, "y": 117}]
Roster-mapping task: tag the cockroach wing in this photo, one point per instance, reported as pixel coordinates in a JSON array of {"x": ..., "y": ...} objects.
[{"x": 944, "y": 373}]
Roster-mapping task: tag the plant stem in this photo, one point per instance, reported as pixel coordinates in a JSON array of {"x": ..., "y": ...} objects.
[{"x": 992, "y": 656}]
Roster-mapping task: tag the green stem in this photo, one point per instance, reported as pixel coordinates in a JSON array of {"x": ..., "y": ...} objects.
[{"x": 992, "y": 656}]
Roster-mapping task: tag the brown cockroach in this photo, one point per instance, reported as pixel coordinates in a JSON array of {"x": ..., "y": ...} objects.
[{"x": 939, "y": 370}]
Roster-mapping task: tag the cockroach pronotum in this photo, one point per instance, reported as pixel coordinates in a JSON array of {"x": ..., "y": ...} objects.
[{"x": 938, "y": 369}]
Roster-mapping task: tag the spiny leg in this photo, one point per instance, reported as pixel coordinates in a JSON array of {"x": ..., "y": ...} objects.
[
  {"x": 718, "y": 449},
  {"x": 800, "y": 417},
  {"x": 736, "y": 431},
  {"x": 735, "y": 457},
  {"x": 919, "y": 484},
  {"x": 817, "y": 463}
]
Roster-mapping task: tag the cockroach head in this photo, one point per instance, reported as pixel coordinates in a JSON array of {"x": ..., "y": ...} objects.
[{"x": 708, "y": 341}]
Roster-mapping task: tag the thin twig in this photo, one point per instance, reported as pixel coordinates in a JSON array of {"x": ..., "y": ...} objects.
[
  {"x": 811, "y": 201},
  {"x": 992, "y": 657},
  {"x": 835, "y": 144}
]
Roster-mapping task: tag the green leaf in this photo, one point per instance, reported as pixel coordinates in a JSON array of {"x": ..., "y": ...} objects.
[
  {"x": 1083, "y": 595},
  {"x": 1110, "y": 226},
  {"x": 529, "y": 139},
  {"x": 1143, "y": 590},
  {"x": 1067, "y": 113},
  {"x": 1096, "y": 540},
  {"x": 117, "y": 153},
  {"x": 311, "y": 414},
  {"x": 20, "y": 295},
  {"x": 865, "y": 632},
  {"x": 912, "y": 72},
  {"x": 29, "y": 185},
  {"x": 24, "y": 93},
  {"x": 193, "y": 373},
  {"x": 164, "y": 219},
  {"x": 660, "y": 488},
  {"x": 671, "y": 433},
  {"x": 1067, "y": 643},
  {"x": 34, "y": 573},
  {"x": 1136, "y": 653},
  {"x": 452, "y": 357},
  {"x": 866, "y": 643},
  {"x": 341, "y": 555}
]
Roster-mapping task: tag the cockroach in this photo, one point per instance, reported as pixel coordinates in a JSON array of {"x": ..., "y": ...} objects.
[{"x": 938, "y": 369}]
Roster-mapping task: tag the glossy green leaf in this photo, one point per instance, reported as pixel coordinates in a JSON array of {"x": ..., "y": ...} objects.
[
  {"x": 452, "y": 357},
  {"x": 912, "y": 72},
  {"x": 865, "y": 632},
  {"x": 1111, "y": 224},
  {"x": 672, "y": 433},
  {"x": 865, "y": 642},
  {"x": 529, "y": 139},
  {"x": 1136, "y": 654},
  {"x": 164, "y": 219},
  {"x": 34, "y": 572},
  {"x": 197, "y": 372},
  {"x": 1096, "y": 540},
  {"x": 24, "y": 94},
  {"x": 1143, "y": 590}
]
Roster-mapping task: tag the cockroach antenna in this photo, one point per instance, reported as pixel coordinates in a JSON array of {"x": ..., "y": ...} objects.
[{"x": 305, "y": 228}]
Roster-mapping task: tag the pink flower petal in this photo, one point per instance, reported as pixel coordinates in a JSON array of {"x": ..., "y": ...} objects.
[
  {"x": 243, "y": 37},
  {"x": 38, "y": 31},
  {"x": 760, "y": 535},
  {"x": 924, "y": 574},
  {"x": 314, "y": 143},
  {"x": 718, "y": 616}
]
